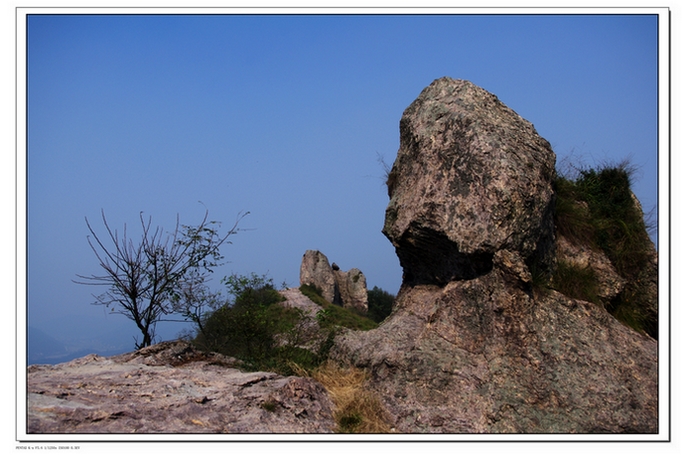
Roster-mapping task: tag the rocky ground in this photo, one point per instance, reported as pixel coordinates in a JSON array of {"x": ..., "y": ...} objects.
[{"x": 171, "y": 388}]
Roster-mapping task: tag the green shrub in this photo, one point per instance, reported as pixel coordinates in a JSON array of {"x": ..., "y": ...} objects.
[
  {"x": 349, "y": 423},
  {"x": 380, "y": 304},
  {"x": 247, "y": 330},
  {"x": 619, "y": 225},
  {"x": 572, "y": 215},
  {"x": 269, "y": 406},
  {"x": 289, "y": 361},
  {"x": 255, "y": 329},
  {"x": 597, "y": 209},
  {"x": 336, "y": 316}
]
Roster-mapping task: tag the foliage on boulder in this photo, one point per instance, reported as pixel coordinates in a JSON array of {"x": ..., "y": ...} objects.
[{"x": 598, "y": 211}]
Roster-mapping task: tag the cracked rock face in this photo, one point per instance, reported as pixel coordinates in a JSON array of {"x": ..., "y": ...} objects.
[
  {"x": 610, "y": 282},
  {"x": 171, "y": 388},
  {"x": 352, "y": 288},
  {"x": 471, "y": 178},
  {"x": 484, "y": 356}
]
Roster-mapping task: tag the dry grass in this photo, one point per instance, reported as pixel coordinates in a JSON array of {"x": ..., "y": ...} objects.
[{"x": 358, "y": 410}]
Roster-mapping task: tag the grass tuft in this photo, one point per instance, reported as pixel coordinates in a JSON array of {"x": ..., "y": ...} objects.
[
  {"x": 269, "y": 406},
  {"x": 358, "y": 410}
]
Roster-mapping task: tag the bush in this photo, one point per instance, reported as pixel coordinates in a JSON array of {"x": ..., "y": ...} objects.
[
  {"x": 380, "y": 304},
  {"x": 572, "y": 215},
  {"x": 598, "y": 209},
  {"x": 620, "y": 229},
  {"x": 247, "y": 330},
  {"x": 336, "y": 316},
  {"x": 255, "y": 329}
]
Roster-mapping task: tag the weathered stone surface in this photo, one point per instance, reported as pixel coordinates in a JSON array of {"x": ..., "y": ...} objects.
[
  {"x": 315, "y": 270},
  {"x": 481, "y": 356},
  {"x": 609, "y": 281},
  {"x": 471, "y": 177},
  {"x": 171, "y": 388},
  {"x": 472, "y": 345},
  {"x": 353, "y": 290}
]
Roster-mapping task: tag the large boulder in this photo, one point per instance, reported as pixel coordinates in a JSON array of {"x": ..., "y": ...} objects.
[
  {"x": 478, "y": 356},
  {"x": 471, "y": 177},
  {"x": 475, "y": 344}
]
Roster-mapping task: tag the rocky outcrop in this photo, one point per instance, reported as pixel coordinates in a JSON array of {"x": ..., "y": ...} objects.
[
  {"x": 347, "y": 289},
  {"x": 473, "y": 344},
  {"x": 315, "y": 270},
  {"x": 352, "y": 289},
  {"x": 471, "y": 178},
  {"x": 171, "y": 388}
]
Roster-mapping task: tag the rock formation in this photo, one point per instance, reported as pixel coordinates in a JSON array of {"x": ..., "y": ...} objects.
[
  {"x": 347, "y": 289},
  {"x": 353, "y": 290},
  {"x": 315, "y": 270},
  {"x": 171, "y": 388},
  {"x": 473, "y": 344},
  {"x": 471, "y": 178}
]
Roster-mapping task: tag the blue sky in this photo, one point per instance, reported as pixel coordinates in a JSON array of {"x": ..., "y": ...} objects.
[{"x": 285, "y": 117}]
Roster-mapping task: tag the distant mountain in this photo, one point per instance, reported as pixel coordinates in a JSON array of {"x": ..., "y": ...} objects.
[
  {"x": 42, "y": 347},
  {"x": 45, "y": 349},
  {"x": 48, "y": 347}
]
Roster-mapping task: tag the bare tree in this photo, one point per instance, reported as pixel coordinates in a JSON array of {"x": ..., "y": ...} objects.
[{"x": 147, "y": 280}]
